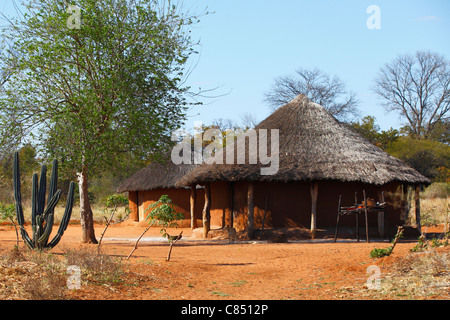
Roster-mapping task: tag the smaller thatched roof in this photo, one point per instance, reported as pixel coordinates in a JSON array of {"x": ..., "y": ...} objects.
[{"x": 157, "y": 175}]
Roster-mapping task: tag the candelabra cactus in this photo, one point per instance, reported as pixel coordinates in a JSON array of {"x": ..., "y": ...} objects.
[{"x": 42, "y": 218}]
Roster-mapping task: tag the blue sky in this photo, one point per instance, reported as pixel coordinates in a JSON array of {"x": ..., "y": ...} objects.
[{"x": 245, "y": 44}]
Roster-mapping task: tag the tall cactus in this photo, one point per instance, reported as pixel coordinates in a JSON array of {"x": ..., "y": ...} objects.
[{"x": 42, "y": 218}]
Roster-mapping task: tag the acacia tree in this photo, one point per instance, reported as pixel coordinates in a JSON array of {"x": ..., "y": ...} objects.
[
  {"x": 418, "y": 88},
  {"x": 96, "y": 83},
  {"x": 320, "y": 87}
]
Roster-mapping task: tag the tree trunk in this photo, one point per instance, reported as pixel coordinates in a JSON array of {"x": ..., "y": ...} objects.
[{"x": 86, "y": 216}]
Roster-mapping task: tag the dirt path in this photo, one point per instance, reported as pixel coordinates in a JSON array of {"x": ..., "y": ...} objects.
[{"x": 206, "y": 269}]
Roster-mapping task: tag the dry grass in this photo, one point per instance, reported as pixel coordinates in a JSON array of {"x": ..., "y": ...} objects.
[
  {"x": 98, "y": 268},
  {"x": 419, "y": 275},
  {"x": 434, "y": 211},
  {"x": 97, "y": 212},
  {"x": 34, "y": 275}
]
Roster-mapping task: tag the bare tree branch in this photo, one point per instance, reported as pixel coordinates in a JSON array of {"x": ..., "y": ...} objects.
[
  {"x": 328, "y": 91},
  {"x": 418, "y": 87}
]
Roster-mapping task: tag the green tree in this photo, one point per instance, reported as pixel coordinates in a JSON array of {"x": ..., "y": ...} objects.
[
  {"x": 95, "y": 90},
  {"x": 427, "y": 156},
  {"x": 371, "y": 131},
  {"x": 29, "y": 165}
]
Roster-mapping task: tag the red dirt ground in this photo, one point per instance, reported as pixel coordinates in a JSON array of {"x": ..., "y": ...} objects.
[{"x": 214, "y": 269}]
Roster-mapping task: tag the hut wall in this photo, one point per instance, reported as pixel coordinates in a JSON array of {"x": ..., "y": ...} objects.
[
  {"x": 180, "y": 197},
  {"x": 133, "y": 205},
  {"x": 289, "y": 204},
  {"x": 220, "y": 204}
]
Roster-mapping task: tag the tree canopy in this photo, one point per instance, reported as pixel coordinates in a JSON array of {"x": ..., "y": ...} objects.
[{"x": 93, "y": 93}]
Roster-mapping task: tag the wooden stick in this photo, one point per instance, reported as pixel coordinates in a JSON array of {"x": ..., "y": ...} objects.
[
  {"x": 337, "y": 220},
  {"x": 192, "y": 199},
  {"x": 365, "y": 214},
  {"x": 417, "y": 200},
  {"x": 106, "y": 227},
  {"x": 314, "y": 189},
  {"x": 206, "y": 211},
  {"x": 172, "y": 243},
  {"x": 250, "y": 211},
  {"x": 135, "y": 245}
]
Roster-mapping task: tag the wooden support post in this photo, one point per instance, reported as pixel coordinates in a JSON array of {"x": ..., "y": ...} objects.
[
  {"x": 314, "y": 193},
  {"x": 417, "y": 200},
  {"x": 251, "y": 209},
  {"x": 232, "y": 205},
  {"x": 365, "y": 215},
  {"x": 357, "y": 217},
  {"x": 381, "y": 217},
  {"x": 192, "y": 199},
  {"x": 206, "y": 211},
  {"x": 337, "y": 219},
  {"x": 264, "y": 216}
]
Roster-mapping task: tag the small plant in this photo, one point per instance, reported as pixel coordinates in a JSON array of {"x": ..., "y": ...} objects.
[
  {"x": 42, "y": 218},
  {"x": 162, "y": 213},
  {"x": 113, "y": 201},
  {"x": 421, "y": 245},
  {"x": 7, "y": 212},
  {"x": 379, "y": 253}
]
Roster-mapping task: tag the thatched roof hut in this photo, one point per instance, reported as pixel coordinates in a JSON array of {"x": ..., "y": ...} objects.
[{"x": 314, "y": 148}]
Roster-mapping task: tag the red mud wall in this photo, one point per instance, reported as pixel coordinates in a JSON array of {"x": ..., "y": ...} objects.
[
  {"x": 289, "y": 204},
  {"x": 180, "y": 197}
]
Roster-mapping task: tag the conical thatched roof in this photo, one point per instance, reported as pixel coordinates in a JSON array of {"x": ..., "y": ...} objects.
[{"x": 313, "y": 146}]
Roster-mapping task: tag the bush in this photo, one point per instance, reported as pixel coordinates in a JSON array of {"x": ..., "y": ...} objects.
[
  {"x": 430, "y": 158},
  {"x": 437, "y": 190}
]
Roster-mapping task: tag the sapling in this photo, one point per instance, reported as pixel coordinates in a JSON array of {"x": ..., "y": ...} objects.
[
  {"x": 113, "y": 201},
  {"x": 379, "y": 253},
  {"x": 162, "y": 213}
]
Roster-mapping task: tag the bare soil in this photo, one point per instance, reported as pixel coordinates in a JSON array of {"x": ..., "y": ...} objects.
[{"x": 214, "y": 269}]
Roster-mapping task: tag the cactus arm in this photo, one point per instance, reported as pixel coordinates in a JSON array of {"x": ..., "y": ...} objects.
[
  {"x": 66, "y": 218},
  {"x": 42, "y": 190},
  {"x": 52, "y": 204},
  {"x": 17, "y": 194},
  {"x": 34, "y": 198},
  {"x": 26, "y": 238},
  {"x": 53, "y": 180},
  {"x": 43, "y": 239},
  {"x": 18, "y": 200}
]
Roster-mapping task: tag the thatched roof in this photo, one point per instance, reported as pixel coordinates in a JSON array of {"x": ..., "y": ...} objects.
[
  {"x": 157, "y": 175},
  {"x": 313, "y": 146}
]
